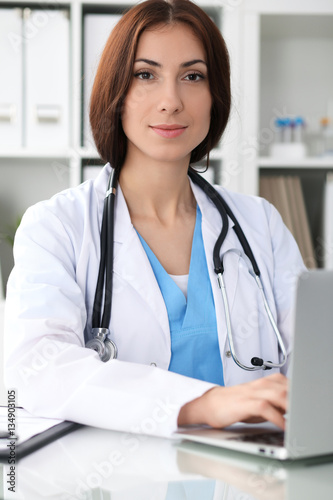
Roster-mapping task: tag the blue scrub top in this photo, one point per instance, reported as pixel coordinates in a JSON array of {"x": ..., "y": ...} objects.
[{"x": 195, "y": 349}]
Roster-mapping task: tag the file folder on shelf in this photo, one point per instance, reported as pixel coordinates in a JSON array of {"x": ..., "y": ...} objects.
[
  {"x": 11, "y": 78},
  {"x": 47, "y": 78},
  {"x": 97, "y": 28},
  {"x": 285, "y": 193},
  {"x": 328, "y": 222}
]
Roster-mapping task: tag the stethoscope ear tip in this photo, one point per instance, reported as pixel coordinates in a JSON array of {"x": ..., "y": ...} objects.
[
  {"x": 257, "y": 361},
  {"x": 261, "y": 363}
]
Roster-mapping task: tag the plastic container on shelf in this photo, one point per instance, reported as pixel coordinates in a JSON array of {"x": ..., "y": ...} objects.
[
  {"x": 291, "y": 150},
  {"x": 289, "y": 139},
  {"x": 326, "y": 136}
]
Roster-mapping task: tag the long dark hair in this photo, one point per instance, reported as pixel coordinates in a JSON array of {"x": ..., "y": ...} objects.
[{"x": 115, "y": 73}]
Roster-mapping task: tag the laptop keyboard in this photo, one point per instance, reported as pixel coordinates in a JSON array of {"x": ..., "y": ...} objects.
[{"x": 275, "y": 438}]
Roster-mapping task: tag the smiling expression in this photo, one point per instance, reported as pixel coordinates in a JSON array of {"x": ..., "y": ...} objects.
[{"x": 167, "y": 108}]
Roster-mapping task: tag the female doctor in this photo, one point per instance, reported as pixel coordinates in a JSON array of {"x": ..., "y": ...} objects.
[{"x": 160, "y": 102}]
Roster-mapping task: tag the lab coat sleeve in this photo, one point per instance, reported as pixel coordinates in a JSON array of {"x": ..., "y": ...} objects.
[{"x": 46, "y": 361}]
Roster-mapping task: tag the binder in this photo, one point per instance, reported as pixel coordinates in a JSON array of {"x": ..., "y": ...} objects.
[
  {"x": 327, "y": 242},
  {"x": 285, "y": 193},
  {"x": 46, "y": 78},
  {"x": 283, "y": 201},
  {"x": 292, "y": 185},
  {"x": 307, "y": 247},
  {"x": 265, "y": 187},
  {"x": 11, "y": 77},
  {"x": 97, "y": 28}
]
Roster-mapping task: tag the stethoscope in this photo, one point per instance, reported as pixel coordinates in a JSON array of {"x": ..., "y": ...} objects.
[{"x": 101, "y": 342}]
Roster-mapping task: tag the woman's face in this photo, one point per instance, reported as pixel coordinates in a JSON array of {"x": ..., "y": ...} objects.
[{"x": 167, "y": 109}]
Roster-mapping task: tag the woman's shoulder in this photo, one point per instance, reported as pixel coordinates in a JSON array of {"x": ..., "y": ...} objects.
[{"x": 246, "y": 204}]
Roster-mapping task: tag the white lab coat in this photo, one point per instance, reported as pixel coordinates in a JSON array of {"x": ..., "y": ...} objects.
[{"x": 50, "y": 297}]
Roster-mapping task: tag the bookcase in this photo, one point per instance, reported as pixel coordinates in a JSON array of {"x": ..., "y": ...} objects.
[
  {"x": 288, "y": 73},
  {"x": 266, "y": 40}
]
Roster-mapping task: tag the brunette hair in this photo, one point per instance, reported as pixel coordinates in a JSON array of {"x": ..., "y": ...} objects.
[{"x": 115, "y": 73}]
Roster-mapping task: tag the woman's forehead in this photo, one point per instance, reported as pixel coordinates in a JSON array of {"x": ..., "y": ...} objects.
[{"x": 177, "y": 39}]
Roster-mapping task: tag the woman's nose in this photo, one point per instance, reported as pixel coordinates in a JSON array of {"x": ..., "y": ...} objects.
[{"x": 170, "y": 98}]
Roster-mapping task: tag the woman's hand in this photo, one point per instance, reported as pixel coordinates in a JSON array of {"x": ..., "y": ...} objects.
[{"x": 256, "y": 401}]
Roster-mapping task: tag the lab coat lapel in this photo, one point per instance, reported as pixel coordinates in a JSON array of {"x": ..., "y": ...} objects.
[{"x": 132, "y": 265}]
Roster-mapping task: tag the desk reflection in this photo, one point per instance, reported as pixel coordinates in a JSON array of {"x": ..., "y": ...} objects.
[{"x": 96, "y": 464}]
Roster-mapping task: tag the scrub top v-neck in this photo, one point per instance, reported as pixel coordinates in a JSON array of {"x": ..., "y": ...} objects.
[{"x": 195, "y": 349}]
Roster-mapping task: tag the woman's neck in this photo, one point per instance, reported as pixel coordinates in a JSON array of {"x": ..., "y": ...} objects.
[{"x": 157, "y": 190}]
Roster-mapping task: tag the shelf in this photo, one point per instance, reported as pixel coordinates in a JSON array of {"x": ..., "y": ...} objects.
[
  {"x": 310, "y": 162},
  {"x": 31, "y": 154}
]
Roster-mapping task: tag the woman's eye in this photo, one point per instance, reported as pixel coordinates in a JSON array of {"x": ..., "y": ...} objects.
[
  {"x": 143, "y": 75},
  {"x": 194, "y": 77}
]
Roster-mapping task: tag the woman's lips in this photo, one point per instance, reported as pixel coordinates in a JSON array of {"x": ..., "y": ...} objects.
[{"x": 169, "y": 131}]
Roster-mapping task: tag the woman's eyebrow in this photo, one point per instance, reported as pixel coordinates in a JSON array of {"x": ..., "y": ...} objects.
[
  {"x": 158, "y": 65},
  {"x": 149, "y": 61},
  {"x": 194, "y": 61}
]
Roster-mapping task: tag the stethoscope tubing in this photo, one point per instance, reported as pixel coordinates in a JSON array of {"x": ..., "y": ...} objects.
[
  {"x": 224, "y": 211},
  {"x": 105, "y": 273},
  {"x": 270, "y": 364}
]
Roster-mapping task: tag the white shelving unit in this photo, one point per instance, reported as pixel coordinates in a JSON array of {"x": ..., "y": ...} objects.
[
  {"x": 268, "y": 162},
  {"x": 287, "y": 70},
  {"x": 287, "y": 49}
]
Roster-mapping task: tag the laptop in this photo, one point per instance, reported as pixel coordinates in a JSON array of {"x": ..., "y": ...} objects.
[{"x": 309, "y": 423}]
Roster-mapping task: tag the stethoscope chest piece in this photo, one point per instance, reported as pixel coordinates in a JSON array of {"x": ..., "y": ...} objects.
[{"x": 105, "y": 348}]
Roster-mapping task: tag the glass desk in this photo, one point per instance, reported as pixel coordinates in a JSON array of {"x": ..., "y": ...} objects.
[{"x": 96, "y": 464}]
